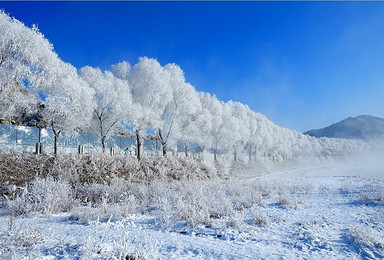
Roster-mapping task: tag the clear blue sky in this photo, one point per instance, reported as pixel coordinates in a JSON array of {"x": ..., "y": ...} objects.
[{"x": 304, "y": 65}]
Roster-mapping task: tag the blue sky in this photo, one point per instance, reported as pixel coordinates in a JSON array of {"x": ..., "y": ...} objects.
[{"x": 304, "y": 65}]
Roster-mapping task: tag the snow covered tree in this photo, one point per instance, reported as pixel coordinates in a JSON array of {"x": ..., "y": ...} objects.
[
  {"x": 188, "y": 110},
  {"x": 239, "y": 127},
  {"x": 215, "y": 132},
  {"x": 69, "y": 102},
  {"x": 110, "y": 96},
  {"x": 25, "y": 55},
  {"x": 136, "y": 114},
  {"x": 26, "y": 59},
  {"x": 17, "y": 103},
  {"x": 152, "y": 93},
  {"x": 202, "y": 124},
  {"x": 121, "y": 70},
  {"x": 182, "y": 109}
]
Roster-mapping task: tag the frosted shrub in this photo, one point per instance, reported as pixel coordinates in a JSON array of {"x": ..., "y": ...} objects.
[
  {"x": 380, "y": 196},
  {"x": 122, "y": 245},
  {"x": 65, "y": 167},
  {"x": 94, "y": 193},
  {"x": 142, "y": 196},
  {"x": 236, "y": 221},
  {"x": 164, "y": 210},
  {"x": 44, "y": 195},
  {"x": 51, "y": 196},
  {"x": 368, "y": 192},
  {"x": 285, "y": 201},
  {"x": 221, "y": 206},
  {"x": 194, "y": 214},
  {"x": 102, "y": 168},
  {"x": 86, "y": 214},
  {"x": 225, "y": 164},
  {"x": 244, "y": 195},
  {"x": 207, "y": 161},
  {"x": 130, "y": 205},
  {"x": 367, "y": 239},
  {"x": 261, "y": 219},
  {"x": 158, "y": 189},
  {"x": 364, "y": 197},
  {"x": 194, "y": 209}
]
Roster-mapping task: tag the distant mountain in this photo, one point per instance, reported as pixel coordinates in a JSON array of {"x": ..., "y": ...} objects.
[{"x": 361, "y": 127}]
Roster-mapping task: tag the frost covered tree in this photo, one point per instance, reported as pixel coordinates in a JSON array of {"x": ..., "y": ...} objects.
[
  {"x": 239, "y": 127},
  {"x": 152, "y": 92},
  {"x": 188, "y": 111},
  {"x": 121, "y": 70},
  {"x": 181, "y": 111},
  {"x": 252, "y": 140},
  {"x": 110, "y": 96},
  {"x": 26, "y": 59},
  {"x": 69, "y": 102},
  {"x": 25, "y": 54},
  {"x": 214, "y": 133},
  {"x": 136, "y": 115},
  {"x": 202, "y": 124},
  {"x": 147, "y": 97},
  {"x": 18, "y": 103}
]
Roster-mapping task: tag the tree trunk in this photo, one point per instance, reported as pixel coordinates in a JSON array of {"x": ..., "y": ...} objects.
[
  {"x": 138, "y": 140},
  {"x": 103, "y": 143},
  {"x": 186, "y": 146},
  {"x": 163, "y": 143},
  {"x": 215, "y": 152},
  {"x": 56, "y": 134},
  {"x": 55, "y": 146}
]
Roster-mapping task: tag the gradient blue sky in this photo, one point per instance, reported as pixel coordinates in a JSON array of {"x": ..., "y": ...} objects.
[{"x": 304, "y": 65}]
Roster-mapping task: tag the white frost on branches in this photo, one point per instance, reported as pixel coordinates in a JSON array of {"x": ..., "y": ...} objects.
[{"x": 147, "y": 98}]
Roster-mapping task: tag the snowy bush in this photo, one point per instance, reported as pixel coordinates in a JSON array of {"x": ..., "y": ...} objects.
[
  {"x": 194, "y": 209},
  {"x": 43, "y": 195},
  {"x": 369, "y": 241},
  {"x": 243, "y": 194},
  {"x": 113, "y": 212},
  {"x": 98, "y": 244},
  {"x": 260, "y": 218},
  {"x": 207, "y": 161},
  {"x": 370, "y": 193},
  {"x": 285, "y": 201},
  {"x": 95, "y": 193},
  {"x": 236, "y": 221}
]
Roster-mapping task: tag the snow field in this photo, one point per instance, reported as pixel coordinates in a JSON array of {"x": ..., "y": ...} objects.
[{"x": 317, "y": 213}]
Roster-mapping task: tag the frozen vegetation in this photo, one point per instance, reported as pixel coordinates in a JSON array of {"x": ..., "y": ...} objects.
[
  {"x": 255, "y": 190},
  {"x": 147, "y": 99},
  {"x": 333, "y": 211}
]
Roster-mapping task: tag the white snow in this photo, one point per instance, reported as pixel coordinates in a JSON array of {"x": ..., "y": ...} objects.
[{"x": 333, "y": 212}]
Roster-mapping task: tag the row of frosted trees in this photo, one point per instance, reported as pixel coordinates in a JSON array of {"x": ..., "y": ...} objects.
[{"x": 140, "y": 100}]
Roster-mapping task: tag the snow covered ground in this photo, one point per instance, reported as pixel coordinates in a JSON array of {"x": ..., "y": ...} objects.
[{"x": 334, "y": 212}]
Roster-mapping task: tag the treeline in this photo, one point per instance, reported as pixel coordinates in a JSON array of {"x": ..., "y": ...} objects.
[{"x": 146, "y": 98}]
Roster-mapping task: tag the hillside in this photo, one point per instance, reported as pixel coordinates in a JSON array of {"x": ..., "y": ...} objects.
[{"x": 362, "y": 127}]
